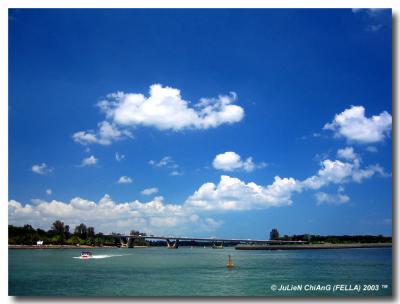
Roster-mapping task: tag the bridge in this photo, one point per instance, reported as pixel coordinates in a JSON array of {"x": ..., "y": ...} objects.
[{"x": 173, "y": 241}]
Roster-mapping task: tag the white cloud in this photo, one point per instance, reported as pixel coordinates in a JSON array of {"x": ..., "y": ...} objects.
[
  {"x": 124, "y": 180},
  {"x": 149, "y": 191},
  {"x": 176, "y": 173},
  {"x": 360, "y": 174},
  {"x": 338, "y": 172},
  {"x": 355, "y": 127},
  {"x": 233, "y": 194},
  {"x": 166, "y": 161},
  {"x": 108, "y": 216},
  {"x": 89, "y": 161},
  {"x": 331, "y": 172},
  {"x": 163, "y": 109},
  {"x": 49, "y": 192},
  {"x": 347, "y": 153},
  {"x": 231, "y": 161},
  {"x": 230, "y": 194},
  {"x": 105, "y": 135},
  {"x": 119, "y": 157},
  {"x": 41, "y": 169},
  {"x": 331, "y": 199},
  {"x": 82, "y": 204},
  {"x": 85, "y": 137}
]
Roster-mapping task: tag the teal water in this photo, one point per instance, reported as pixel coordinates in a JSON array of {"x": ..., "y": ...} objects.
[{"x": 197, "y": 272}]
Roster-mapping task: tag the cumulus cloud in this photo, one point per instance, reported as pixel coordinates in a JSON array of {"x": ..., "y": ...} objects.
[
  {"x": 231, "y": 161},
  {"x": 331, "y": 172},
  {"x": 229, "y": 194},
  {"x": 164, "y": 109},
  {"x": 360, "y": 174},
  {"x": 119, "y": 157},
  {"x": 332, "y": 199},
  {"x": 108, "y": 216},
  {"x": 347, "y": 153},
  {"x": 233, "y": 194},
  {"x": 41, "y": 169},
  {"x": 125, "y": 180},
  {"x": 338, "y": 172},
  {"x": 353, "y": 125},
  {"x": 49, "y": 192},
  {"x": 105, "y": 134},
  {"x": 89, "y": 161},
  {"x": 79, "y": 203},
  {"x": 149, "y": 191}
]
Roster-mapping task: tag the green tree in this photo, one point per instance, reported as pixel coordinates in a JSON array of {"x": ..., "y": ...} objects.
[
  {"x": 81, "y": 231},
  {"x": 90, "y": 232},
  {"x": 274, "y": 234},
  {"x": 66, "y": 231},
  {"x": 134, "y": 232},
  {"x": 58, "y": 227}
]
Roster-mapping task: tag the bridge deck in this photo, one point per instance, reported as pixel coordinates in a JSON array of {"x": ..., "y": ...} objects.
[{"x": 205, "y": 239}]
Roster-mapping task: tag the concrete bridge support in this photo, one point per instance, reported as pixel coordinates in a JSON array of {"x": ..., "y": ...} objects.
[
  {"x": 172, "y": 245},
  {"x": 220, "y": 246},
  {"x": 127, "y": 242},
  {"x": 124, "y": 244}
]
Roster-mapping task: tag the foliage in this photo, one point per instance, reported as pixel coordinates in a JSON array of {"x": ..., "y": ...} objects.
[
  {"x": 274, "y": 234},
  {"x": 338, "y": 239},
  {"x": 59, "y": 234}
]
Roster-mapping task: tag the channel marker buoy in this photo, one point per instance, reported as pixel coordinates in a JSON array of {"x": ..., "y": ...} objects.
[{"x": 230, "y": 262}]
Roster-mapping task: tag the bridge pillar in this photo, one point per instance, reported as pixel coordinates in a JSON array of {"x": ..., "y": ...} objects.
[
  {"x": 172, "y": 245},
  {"x": 215, "y": 246},
  {"x": 130, "y": 241},
  {"x": 123, "y": 243},
  {"x": 127, "y": 242}
]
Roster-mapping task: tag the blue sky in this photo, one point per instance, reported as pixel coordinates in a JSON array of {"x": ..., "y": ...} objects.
[{"x": 188, "y": 96}]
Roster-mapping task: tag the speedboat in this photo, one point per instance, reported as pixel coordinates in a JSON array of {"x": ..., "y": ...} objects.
[{"x": 86, "y": 255}]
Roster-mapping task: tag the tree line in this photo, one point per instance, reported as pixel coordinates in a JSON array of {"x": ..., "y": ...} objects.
[
  {"x": 61, "y": 234},
  {"x": 333, "y": 239}
]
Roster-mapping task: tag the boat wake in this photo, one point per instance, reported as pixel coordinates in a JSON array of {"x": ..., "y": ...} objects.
[{"x": 101, "y": 256}]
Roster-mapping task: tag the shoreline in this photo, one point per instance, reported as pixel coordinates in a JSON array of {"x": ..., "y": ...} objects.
[
  {"x": 238, "y": 247},
  {"x": 313, "y": 246},
  {"x": 58, "y": 247}
]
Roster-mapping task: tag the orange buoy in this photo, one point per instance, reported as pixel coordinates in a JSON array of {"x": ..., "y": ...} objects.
[{"x": 230, "y": 262}]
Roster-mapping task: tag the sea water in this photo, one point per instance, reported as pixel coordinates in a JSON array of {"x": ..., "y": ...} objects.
[{"x": 200, "y": 271}]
